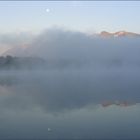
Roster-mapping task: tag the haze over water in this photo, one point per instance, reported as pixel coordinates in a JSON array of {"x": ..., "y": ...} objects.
[{"x": 61, "y": 79}]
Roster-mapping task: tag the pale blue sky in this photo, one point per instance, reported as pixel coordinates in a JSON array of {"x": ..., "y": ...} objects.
[{"x": 89, "y": 16}]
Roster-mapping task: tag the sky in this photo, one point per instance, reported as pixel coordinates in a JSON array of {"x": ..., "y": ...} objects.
[{"x": 87, "y": 16}]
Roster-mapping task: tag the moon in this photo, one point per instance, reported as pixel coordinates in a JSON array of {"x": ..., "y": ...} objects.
[{"x": 47, "y": 10}]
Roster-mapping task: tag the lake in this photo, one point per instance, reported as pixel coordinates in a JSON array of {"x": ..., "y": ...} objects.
[{"x": 70, "y": 104}]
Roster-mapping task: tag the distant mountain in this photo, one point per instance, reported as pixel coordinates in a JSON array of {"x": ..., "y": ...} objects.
[{"x": 118, "y": 34}]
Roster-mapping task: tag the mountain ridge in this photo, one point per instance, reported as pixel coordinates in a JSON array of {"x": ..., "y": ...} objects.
[{"x": 121, "y": 33}]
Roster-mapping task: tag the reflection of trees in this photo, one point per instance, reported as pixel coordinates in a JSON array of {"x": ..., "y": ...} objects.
[
  {"x": 116, "y": 62},
  {"x": 8, "y": 80}
]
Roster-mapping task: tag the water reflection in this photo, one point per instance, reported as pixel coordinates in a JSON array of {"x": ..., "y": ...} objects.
[{"x": 70, "y": 104}]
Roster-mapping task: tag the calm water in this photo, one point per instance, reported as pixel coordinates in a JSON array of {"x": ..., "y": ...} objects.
[{"x": 70, "y": 104}]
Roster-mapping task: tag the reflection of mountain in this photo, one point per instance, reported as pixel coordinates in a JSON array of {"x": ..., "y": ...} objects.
[
  {"x": 119, "y": 34},
  {"x": 10, "y": 62},
  {"x": 118, "y": 103}
]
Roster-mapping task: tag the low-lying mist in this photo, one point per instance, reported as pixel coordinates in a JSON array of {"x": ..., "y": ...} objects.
[
  {"x": 79, "y": 73},
  {"x": 61, "y": 48},
  {"x": 66, "y": 70}
]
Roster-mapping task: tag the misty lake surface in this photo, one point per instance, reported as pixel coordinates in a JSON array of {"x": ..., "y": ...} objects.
[{"x": 73, "y": 104}]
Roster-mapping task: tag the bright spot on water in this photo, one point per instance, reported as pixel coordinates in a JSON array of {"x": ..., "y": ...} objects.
[{"x": 49, "y": 129}]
